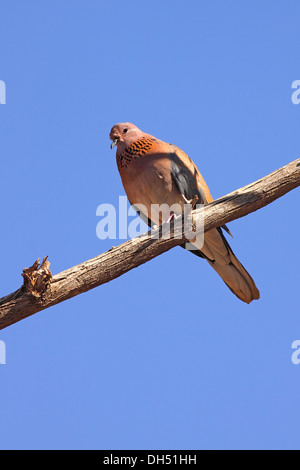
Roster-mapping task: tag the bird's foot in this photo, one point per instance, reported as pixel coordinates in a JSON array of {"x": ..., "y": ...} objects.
[{"x": 193, "y": 201}]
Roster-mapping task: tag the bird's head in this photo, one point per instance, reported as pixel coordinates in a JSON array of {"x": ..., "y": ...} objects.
[{"x": 124, "y": 133}]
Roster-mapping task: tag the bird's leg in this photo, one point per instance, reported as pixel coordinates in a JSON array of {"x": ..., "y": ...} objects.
[
  {"x": 194, "y": 201},
  {"x": 163, "y": 227},
  {"x": 169, "y": 219}
]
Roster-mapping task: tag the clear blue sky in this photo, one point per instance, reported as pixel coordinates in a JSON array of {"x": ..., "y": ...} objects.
[{"x": 165, "y": 356}]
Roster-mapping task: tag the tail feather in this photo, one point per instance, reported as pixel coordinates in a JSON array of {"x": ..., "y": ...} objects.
[{"x": 216, "y": 250}]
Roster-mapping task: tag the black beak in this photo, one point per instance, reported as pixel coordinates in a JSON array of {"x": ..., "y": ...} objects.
[{"x": 114, "y": 142}]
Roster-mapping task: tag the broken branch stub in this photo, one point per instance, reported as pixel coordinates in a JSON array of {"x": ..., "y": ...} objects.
[{"x": 37, "y": 278}]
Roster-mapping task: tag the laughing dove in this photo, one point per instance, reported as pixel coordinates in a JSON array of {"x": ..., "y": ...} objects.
[{"x": 155, "y": 173}]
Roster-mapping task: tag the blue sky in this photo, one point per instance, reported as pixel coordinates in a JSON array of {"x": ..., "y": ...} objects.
[{"x": 165, "y": 356}]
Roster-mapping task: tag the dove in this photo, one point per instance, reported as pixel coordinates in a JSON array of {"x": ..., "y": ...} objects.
[{"x": 153, "y": 173}]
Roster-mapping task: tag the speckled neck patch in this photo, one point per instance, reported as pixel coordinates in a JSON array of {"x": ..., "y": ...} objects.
[{"x": 137, "y": 149}]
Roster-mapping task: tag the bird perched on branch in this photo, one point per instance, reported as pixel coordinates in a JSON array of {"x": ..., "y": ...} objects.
[{"x": 154, "y": 172}]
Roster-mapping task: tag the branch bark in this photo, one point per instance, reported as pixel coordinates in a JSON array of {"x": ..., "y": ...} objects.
[{"x": 40, "y": 290}]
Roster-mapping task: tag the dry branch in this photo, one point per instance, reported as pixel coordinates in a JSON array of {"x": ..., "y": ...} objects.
[{"x": 41, "y": 291}]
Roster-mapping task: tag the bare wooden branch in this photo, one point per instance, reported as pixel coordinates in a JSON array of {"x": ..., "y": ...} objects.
[{"x": 41, "y": 291}]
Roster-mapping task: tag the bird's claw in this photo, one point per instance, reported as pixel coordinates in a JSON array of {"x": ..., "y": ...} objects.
[{"x": 193, "y": 201}]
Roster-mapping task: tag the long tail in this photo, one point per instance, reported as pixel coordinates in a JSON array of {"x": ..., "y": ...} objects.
[{"x": 216, "y": 250}]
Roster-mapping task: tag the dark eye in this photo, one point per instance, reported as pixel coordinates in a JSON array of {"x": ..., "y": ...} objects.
[{"x": 125, "y": 130}]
